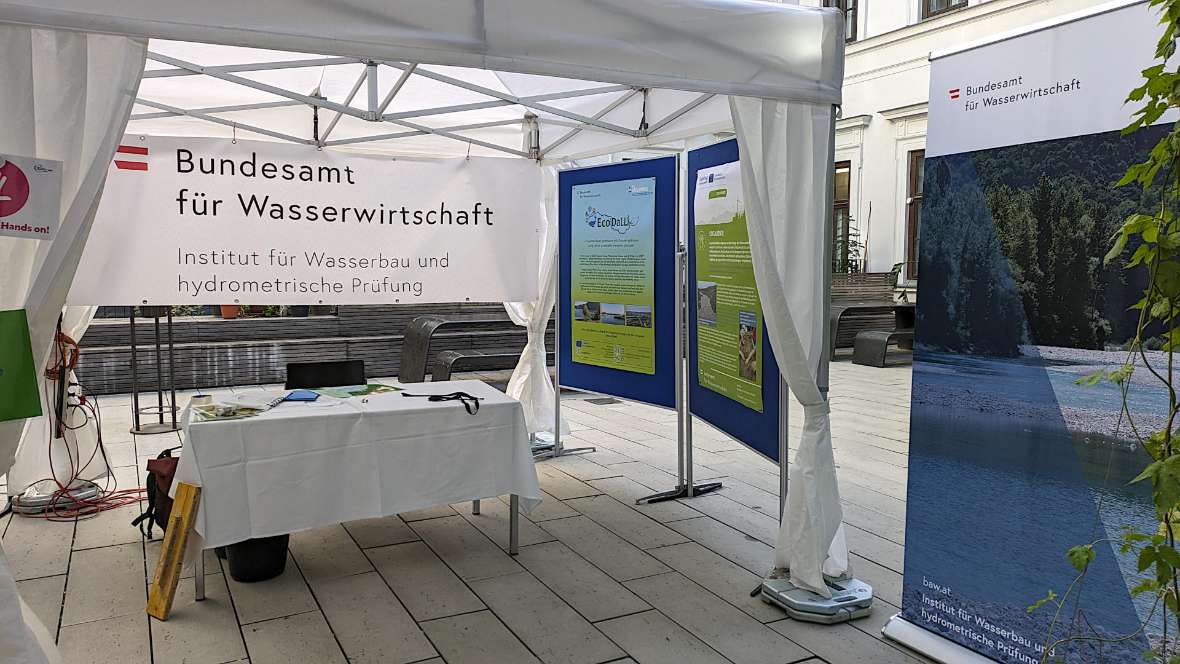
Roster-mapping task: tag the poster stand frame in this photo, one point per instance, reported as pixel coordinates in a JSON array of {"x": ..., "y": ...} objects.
[{"x": 684, "y": 487}]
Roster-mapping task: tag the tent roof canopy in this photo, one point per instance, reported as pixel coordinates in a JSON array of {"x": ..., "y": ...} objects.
[
  {"x": 461, "y": 76},
  {"x": 743, "y": 47}
]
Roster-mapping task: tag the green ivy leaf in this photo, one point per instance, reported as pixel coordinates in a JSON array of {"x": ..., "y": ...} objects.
[
  {"x": 1080, "y": 556},
  {"x": 1146, "y": 557},
  {"x": 1122, "y": 374},
  {"x": 1116, "y": 250},
  {"x": 1169, "y": 555},
  {"x": 1050, "y": 597}
]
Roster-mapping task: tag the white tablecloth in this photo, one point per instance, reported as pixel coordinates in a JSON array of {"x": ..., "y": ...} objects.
[{"x": 302, "y": 465}]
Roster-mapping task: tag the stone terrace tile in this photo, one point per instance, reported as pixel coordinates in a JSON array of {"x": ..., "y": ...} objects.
[{"x": 599, "y": 579}]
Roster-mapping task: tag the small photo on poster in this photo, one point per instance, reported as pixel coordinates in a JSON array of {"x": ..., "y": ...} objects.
[
  {"x": 613, "y": 314},
  {"x": 638, "y": 315},
  {"x": 590, "y": 312},
  {"x": 748, "y": 345},
  {"x": 580, "y": 310},
  {"x": 707, "y": 303}
]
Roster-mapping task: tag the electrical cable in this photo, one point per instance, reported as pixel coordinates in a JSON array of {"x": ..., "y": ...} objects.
[{"x": 64, "y": 504}]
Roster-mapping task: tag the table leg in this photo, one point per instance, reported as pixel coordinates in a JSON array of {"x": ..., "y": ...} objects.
[
  {"x": 514, "y": 524},
  {"x": 475, "y": 507},
  {"x": 199, "y": 575}
]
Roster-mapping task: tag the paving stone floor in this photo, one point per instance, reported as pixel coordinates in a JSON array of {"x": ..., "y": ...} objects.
[{"x": 598, "y": 579}]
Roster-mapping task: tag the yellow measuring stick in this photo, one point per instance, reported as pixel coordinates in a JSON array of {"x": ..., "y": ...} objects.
[{"x": 167, "y": 576}]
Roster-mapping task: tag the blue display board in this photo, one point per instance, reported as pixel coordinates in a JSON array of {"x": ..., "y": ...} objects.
[
  {"x": 757, "y": 430},
  {"x": 656, "y": 387}
]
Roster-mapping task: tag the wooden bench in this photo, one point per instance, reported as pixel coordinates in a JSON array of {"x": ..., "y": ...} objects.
[
  {"x": 451, "y": 362},
  {"x": 860, "y": 302},
  {"x": 863, "y": 286},
  {"x": 415, "y": 359},
  {"x": 474, "y": 334},
  {"x": 871, "y": 346}
]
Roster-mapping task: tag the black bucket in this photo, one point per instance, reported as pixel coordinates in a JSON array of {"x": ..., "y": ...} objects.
[{"x": 257, "y": 559}]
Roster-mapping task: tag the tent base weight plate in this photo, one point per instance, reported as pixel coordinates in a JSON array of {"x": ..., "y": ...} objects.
[
  {"x": 32, "y": 502},
  {"x": 851, "y": 599},
  {"x": 679, "y": 492}
]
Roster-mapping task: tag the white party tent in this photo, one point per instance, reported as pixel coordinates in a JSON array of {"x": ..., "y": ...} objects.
[{"x": 552, "y": 80}]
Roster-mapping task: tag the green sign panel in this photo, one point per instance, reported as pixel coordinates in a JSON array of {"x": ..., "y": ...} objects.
[
  {"x": 18, "y": 375},
  {"x": 613, "y": 273},
  {"x": 729, "y": 313}
]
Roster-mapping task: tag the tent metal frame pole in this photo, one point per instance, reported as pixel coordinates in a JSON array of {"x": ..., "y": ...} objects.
[
  {"x": 264, "y": 87},
  {"x": 458, "y": 137},
  {"x": 374, "y": 92},
  {"x": 676, "y": 115},
  {"x": 523, "y": 101},
  {"x": 222, "y": 121},
  {"x": 397, "y": 87},
  {"x": 406, "y": 134},
  {"x": 217, "y": 109},
  {"x": 375, "y": 110},
  {"x": 496, "y": 103},
  {"x": 784, "y": 446},
  {"x": 605, "y": 111},
  {"x": 252, "y": 66},
  {"x": 360, "y": 80},
  {"x": 829, "y": 225},
  {"x": 324, "y": 103}
]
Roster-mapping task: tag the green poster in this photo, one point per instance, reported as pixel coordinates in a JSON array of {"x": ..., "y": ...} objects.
[
  {"x": 613, "y": 273},
  {"x": 729, "y": 313},
  {"x": 18, "y": 377}
]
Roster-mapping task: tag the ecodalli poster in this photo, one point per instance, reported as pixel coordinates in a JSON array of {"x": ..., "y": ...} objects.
[
  {"x": 613, "y": 273},
  {"x": 729, "y": 313}
]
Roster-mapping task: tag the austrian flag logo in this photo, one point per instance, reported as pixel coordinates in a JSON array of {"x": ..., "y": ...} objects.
[
  {"x": 127, "y": 158},
  {"x": 954, "y": 92}
]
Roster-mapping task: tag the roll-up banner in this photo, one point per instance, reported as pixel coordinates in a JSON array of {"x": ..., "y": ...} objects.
[
  {"x": 618, "y": 279},
  {"x": 733, "y": 378},
  {"x": 1012, "y": 458},
  {"x": 207, "y": 221}
]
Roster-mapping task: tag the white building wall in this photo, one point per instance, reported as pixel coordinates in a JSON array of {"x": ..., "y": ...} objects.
[{"x": 886, "y": 89}]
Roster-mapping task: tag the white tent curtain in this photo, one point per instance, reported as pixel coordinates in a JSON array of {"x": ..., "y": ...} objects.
[
  {"x": 33, "y": 463},
  {"x": 785, "y": 160},
  {"x": 530, "y": 382},
  {"x": 66, "y": 97}
]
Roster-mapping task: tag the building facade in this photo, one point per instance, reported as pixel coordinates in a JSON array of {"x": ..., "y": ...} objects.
[{"x": 881, "y": 136}]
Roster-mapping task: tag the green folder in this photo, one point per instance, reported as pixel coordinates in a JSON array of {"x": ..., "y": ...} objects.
[{"x": 18, "y": 376}]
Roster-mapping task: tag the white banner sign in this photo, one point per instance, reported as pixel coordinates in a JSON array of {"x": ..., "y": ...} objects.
[
  {"x": 30, "y": 197},
  {"x": 1040, "y": 86},
  {"x": 207, "y": 221}
]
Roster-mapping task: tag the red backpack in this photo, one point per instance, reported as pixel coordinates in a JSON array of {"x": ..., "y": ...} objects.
[{"x": 160, "y": 470}]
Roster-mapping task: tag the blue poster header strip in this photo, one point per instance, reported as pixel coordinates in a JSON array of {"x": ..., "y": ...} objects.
[
  {"x": 659, "y": 388},
  {"x": 758, "y": 431}
]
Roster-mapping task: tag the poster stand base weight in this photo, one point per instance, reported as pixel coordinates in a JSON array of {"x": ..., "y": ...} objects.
[
  {"x": 930, "y": 644},
  {"x": 851, "y": 599},
  {"x": 681, "y": 491},
  {"x": 546, "y": 447}
]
